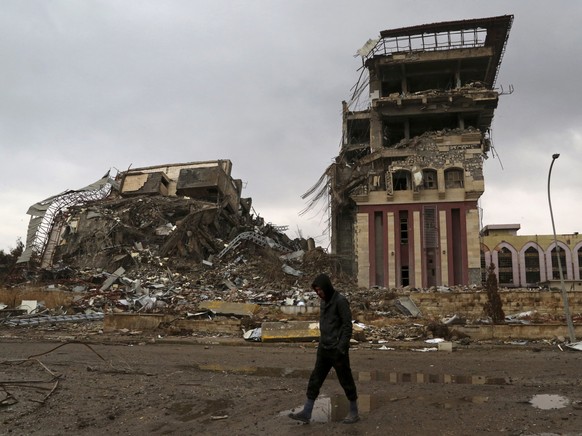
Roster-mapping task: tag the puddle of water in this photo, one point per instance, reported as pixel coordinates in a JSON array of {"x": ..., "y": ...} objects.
[
  {"x": 547, "y": 401},
  {"x": 335, "y": 408},
  {"x": 362, "y": 376}
]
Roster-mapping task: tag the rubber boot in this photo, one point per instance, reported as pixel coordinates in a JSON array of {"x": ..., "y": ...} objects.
[
  {"x": 304, "y": 415},
  {"x": 353, "y": 415}
]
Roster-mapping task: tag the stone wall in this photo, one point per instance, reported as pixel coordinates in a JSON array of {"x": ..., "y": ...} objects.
[{"x": 470, "y": 304}]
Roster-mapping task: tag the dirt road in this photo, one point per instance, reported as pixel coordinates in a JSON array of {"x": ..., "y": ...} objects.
[{"x": 165, "y": 387}]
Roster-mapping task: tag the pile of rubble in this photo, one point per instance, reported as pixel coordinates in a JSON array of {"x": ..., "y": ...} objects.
[
  {"x": 160, "y": 254},
  {"x": 173, "y": 255}
]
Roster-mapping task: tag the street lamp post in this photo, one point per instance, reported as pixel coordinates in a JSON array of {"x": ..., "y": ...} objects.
[{"x": 564, "y": 293}]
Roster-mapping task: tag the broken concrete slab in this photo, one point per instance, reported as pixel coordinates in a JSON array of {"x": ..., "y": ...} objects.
[
  {"x": 226, "y": 326},
  {"x": 407, "y": 306},
  {"x": 112, "y": 278},
  {"x": 294, "y": 331},
  {"x": 134, "y": 321},
  {"x": 225, "y": 308}
]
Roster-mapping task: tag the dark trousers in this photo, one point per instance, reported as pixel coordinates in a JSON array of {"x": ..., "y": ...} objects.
[{"x": 327, "y": 359}]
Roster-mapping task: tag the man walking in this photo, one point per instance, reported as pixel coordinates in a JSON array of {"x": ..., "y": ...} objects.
[{"x": 335, "y": 326}]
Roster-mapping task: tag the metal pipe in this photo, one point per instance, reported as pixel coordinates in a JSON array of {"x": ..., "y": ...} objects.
[{"x": 564, "y": 293}]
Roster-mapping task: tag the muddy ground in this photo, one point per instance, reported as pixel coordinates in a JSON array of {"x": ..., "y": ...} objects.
[{"x": 113, "y": 384}]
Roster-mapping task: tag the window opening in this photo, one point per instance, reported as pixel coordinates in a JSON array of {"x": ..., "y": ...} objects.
[
  {"x": 405, "y": 276},
  {"x": 555, "y": 266},
  {"x": 429, "y": 179},
  {"x": 532, "y": 265},
  {"x": 403, "y": 227},
  {"x": 505, "y": 266},
  {"x": 454, "y": 178},
  {"x": 401, "y": 180}
]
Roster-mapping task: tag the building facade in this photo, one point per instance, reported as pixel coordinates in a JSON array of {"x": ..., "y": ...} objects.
[
  {"x": 405, "y": 185},
  {"x": 525, "y": 261}
]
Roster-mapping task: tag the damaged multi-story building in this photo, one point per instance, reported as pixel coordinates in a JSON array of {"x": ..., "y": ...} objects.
[
  {"x": 183, "y": 210},
  {"x": 404, "y": 189}
]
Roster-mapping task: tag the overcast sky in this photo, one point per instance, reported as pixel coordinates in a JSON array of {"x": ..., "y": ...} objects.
[{"x": 88, "y": 86}]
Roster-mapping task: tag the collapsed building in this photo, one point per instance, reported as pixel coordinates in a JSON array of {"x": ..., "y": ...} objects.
[
  {"x": 405, "y": 186},
  {"x": 188, "y": 211}
]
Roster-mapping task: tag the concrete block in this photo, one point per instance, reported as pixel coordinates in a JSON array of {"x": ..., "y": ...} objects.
[
  {"x": 296, "y": 331},
  {"x": 225, "y": 308},
  {"x": 445, "y": 346},
  {"x": 134, "y": 321}
]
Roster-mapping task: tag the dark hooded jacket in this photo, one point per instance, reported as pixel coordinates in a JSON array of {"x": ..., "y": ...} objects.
[{"x": 335, "y": 317}]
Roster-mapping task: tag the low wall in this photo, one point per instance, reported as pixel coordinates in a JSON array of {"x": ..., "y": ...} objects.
[
  {"x": 470, "y": 304},
  {"x": 507, "y": 332}
]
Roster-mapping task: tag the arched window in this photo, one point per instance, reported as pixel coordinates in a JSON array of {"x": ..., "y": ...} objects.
[
  {"x": 555, "y": 266},
  {"x": 454, "y": 178},
  {"x": 429, "y": 179},
  {"x": 505, "y": 266},
  {"x": 580, "y": 262},
  {"x": 532, "y": 265},
  {"x": 401, "y": 180}
]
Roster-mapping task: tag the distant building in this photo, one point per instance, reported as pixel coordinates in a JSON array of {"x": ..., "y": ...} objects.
[{"x": 531, "y": 260}]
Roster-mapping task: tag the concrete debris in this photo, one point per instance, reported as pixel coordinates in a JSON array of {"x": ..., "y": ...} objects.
[
  {"x": 253, "y": 335},
  {"x": 521, "y": 318},
  {"x": 30, "y": 306},
  {"x": 575, "y": 346},
  {"x": 407, "y": 307},
  {"x": 190, "y": 266},
  {"x": 294, "y": 331},
  {"x": 36, "y": 320},
  {"x": 291, "y": 271},
  {"x": 455, "y": 319}
]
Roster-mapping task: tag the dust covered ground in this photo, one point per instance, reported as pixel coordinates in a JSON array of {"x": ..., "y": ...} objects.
[{"x": 165, "y": 386}]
